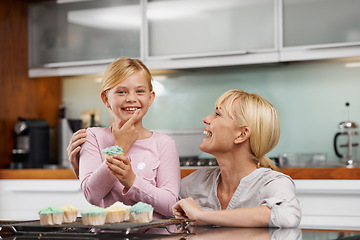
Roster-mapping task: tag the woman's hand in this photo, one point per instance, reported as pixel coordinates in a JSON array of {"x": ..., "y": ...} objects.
[
  {"x": 125, "y": 133},
  {"x": 120, "y": 167},
  {"x": 187, "y": 208},
  {"x": 73, "y": 149},
  {"x": 240, "y": 217}
]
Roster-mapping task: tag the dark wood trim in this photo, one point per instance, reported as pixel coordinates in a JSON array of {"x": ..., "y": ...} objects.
[
  {"x": 308, "y": 173},
  {"x": 295, "y": 173}
]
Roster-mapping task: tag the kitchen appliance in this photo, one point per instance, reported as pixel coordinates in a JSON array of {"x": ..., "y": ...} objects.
[
  {"x": 187, "y": 143},
  {"x": 347, "y": 130},
  {"x": 67, "y": 127},
  {"x": 32, "y": 143}
]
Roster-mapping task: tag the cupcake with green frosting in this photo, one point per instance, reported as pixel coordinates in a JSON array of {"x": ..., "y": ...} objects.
[
  {"x": 51, "y": 216},
  {"x": 141, "y": 212},
  {"x": 93, "y": 216},
  {"x": 113, "y": 150}
]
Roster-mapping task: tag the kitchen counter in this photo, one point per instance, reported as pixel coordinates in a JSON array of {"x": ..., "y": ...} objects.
[
  {"x": 209, "y": 233},
  {"x": 318, "y": 189},
  {"x": 295, "y": 173}
]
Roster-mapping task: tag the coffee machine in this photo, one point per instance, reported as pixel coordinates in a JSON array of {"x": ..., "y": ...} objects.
[{"x": 32, "y": 143}]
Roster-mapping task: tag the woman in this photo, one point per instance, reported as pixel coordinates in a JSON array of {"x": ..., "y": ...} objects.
[{"x": 244, "y": 191}]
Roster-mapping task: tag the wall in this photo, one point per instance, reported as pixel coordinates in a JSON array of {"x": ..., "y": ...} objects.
[
  {"x": 310, "y": 98},
  {"x": 20, "y": 96}
]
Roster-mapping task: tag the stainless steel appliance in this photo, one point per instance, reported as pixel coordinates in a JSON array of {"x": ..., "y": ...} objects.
[
  {"x": 32, "y": 143},
  {"x": 67, "y": 127},
  {"x": 347, "y": 129},
  {"x": 187, "y": 143}
]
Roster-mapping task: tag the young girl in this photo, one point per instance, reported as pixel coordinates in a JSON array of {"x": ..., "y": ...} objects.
[{"x": 149, "y": 169}]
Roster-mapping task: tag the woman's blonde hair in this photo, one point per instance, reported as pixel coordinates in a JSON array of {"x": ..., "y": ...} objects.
[
  {"x": 121, "y": 69},
  {"x": 260, "y": 116}
]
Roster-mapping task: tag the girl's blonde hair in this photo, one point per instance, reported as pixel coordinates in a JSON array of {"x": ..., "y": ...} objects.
[
  {"x": 121, "y": 69},
  {"x": 260, "y": 116}
]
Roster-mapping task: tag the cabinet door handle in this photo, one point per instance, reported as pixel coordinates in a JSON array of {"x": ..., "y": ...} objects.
[
  {"x": 78, "y": 63},
  {"x": 332, "y": 46},
  {"x": 204, "y": 55}
]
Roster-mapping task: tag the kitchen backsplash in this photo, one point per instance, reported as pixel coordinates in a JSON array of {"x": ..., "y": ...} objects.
[{"x": 310, "y": 98}]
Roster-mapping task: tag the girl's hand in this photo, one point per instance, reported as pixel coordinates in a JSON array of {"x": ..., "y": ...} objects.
[
  {"x": 187, "y": 208},
  {"x": 125, "y": 133},
  {"x": 73, "y": 149},
  {"x": 120, "y": 167}
]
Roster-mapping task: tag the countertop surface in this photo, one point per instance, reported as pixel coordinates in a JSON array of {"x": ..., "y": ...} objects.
[
  {"x": 207, "y": 233},
  {"x": 295, "y": 173}
]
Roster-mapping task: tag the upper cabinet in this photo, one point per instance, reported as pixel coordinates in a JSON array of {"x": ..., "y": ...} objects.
[
  {"x": 84, "y": 33},
  {"x": 83, "y": 37},
  {"x": 196, "y": 33},
  {"x": 319, "y": 29}
]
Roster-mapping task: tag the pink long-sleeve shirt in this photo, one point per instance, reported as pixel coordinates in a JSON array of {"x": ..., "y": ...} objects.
[{"x": 155, "y": 162}]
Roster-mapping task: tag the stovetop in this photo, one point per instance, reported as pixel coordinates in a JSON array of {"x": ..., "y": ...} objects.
[{"x": 194, "y": 161}]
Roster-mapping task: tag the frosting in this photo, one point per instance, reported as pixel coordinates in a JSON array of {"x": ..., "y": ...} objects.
[
  {"x": 51, "y": 210},
  {"x": 116, "y": 209},
  {"x": 113, "y": 150},
  {"x": 118, "y": 206},
  {"x": 69, "y": 208},
  {"x": 92, "y": 211},
  {"x": 141, "y": 207}
]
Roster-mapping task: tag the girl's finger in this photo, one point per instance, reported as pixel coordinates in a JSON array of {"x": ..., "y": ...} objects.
[
  {"x": 122, "y": 158},
  {"x": 118, "y": 163},
  {"x": 132, "y": 119},
  {"x": 118, "y": 124}
]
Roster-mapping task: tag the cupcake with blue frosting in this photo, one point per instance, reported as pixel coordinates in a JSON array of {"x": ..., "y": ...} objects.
[
  {"x": 111, "y": 151},
  {"x": 51, "y": 216},
  {"x": 93, "y": 216},
  {"x": 141, "y": 212}
]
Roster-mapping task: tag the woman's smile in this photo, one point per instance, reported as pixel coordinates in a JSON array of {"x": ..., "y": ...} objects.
[{"x": 207, "y": 133}]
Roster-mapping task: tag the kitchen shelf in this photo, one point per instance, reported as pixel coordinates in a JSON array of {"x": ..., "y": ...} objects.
[{"x": 295, "y": 173}]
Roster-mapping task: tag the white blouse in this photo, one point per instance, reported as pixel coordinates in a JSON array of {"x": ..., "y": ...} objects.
[{"x": 261, "y": 187}]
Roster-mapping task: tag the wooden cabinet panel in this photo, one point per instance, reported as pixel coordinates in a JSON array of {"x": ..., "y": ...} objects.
[{"x": 20, "y": 96}]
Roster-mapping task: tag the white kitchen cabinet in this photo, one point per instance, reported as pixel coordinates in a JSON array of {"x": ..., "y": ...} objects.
[
  {"x": 331, "y": 204},
  {"x": 22, "y": 199},
  {"x": 83, "y": 33},
  {"x": 319, "y": 29},
  {"x": 203, "y": 33}
]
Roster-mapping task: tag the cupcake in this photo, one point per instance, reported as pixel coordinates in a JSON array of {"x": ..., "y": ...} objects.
[
  {"x": 141, "y": 212},
  {"x": 93, "y": 216},
  {"x": 118, "y": 212},
  {"x": 113, "y": 150},
  {"x": 70, "y": 213},
  {"x": 51, "y": 216}
]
